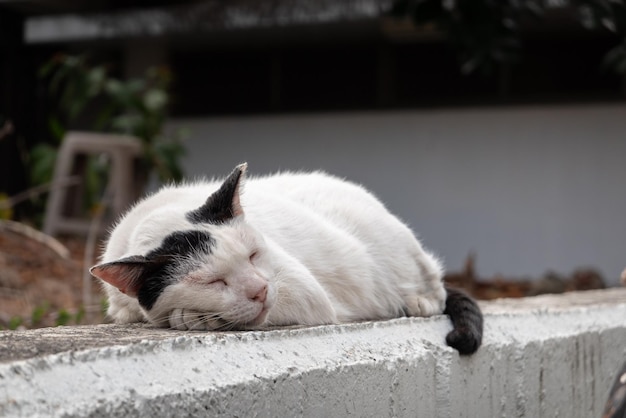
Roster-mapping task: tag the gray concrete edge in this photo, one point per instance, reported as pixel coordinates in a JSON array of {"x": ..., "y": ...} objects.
[{"x": 542, "y": 356}]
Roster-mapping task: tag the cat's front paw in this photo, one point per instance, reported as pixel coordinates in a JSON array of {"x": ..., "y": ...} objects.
[
  {"x": 125, "y": 311},
  {"x": 424, "y": 306},
  {"x": 187, "y": 319}
]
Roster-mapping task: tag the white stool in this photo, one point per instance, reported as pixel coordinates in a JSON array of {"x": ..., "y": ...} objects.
[{"x": 122, "y": 150}]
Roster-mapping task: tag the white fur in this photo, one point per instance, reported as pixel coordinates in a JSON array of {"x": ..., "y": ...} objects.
[{"x": 328, "y": 252}]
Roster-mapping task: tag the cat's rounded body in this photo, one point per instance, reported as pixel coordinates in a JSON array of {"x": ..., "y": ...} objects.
[{"x": 291, "y": 248}]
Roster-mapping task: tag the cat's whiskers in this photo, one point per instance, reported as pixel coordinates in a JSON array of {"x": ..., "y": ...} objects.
[
  {"x": 202, "y": 318},
  {"x": 228, "y": 326}
]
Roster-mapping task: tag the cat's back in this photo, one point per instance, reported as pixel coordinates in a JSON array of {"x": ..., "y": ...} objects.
[
  {"x": 326, "y": 195},
  {"x": 299, "y": 203}
]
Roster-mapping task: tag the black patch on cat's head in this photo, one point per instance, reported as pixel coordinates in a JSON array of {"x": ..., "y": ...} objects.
[
  {"x": 223, "y": 205},
  {"x": 174, "y": 248},
  {"x": 183, "y": 243},
  {"x": 145, "y": 277}
]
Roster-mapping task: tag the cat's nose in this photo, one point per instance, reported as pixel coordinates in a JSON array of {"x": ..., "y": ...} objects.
[{"x": 261, "y": 295}]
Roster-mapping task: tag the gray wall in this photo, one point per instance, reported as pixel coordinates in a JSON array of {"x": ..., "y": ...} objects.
[{"x": 526, "y": 189}]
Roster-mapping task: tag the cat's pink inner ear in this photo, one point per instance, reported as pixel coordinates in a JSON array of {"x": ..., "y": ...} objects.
[
  {"x": 125, "y": 276},
  {"x": 236, "y": 203}
]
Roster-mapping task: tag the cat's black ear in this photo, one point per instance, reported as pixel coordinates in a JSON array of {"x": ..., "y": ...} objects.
[
  {"x": 224, "y": 204},
  {"x": 127, "y": 274}
]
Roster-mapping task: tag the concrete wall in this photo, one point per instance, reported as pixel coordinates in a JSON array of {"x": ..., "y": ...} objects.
[
  {"x": 526, "y": 189},
  {"x": 542, "y": 357}
]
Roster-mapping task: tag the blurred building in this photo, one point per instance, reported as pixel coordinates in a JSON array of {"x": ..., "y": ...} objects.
[{"x": 524, "y": 166}]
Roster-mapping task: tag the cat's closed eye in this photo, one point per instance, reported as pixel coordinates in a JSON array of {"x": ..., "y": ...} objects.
[
  {"x": 218, "y": 282},
  {"x": 254, "y": 256}
]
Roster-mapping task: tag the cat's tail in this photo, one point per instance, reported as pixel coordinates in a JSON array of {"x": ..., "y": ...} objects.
[{"x": 467, "y": 322}]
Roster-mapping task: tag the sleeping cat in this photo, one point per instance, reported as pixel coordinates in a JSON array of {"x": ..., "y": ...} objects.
[{"x": 285, "y": 249}]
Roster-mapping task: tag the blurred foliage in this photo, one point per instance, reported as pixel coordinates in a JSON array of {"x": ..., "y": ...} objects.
[
  {"x": 486, "y": 33},
  {"x": 15, "y": 322},
  {"x": 38, "y": 313},
  {"x": 43, "y": 315},
  {"x": 6, "y": 212},
  {"x": 104, "y": 307},
  {"x": 606, "y": 15},
  {"x": 136, "y": 107},
  {"x": 63, "y": 317}
]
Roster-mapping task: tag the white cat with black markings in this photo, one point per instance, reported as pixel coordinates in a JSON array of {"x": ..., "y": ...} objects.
[{"x": 286, "y": 249}]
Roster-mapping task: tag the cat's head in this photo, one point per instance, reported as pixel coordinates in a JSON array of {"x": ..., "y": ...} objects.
[{"x": 219, "y": 267}]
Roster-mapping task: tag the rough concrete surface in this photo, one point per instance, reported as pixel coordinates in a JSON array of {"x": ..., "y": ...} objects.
[{"x": 546, "y": 356}]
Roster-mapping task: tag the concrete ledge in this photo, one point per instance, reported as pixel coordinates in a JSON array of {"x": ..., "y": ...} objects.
[{"x": 542, "y": 357}]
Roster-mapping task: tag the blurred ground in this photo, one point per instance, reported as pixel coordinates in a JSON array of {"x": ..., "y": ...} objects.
[
  {"x": 511, "y": 287},
  {"x": 41, "y": 287}
]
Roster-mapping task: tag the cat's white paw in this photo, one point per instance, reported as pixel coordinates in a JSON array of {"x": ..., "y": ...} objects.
[
  {"x": 423, "y": 306},
  {"x": 187, "y": 319},
  {"x": 125, "y": 313}
]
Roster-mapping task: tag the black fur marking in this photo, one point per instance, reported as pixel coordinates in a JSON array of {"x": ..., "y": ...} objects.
[
  {"x": 155, "y": 279},
  {"x": 183, "y": 242},
  {"x": 157, "y": 271},
  {"x": 467, "y": 321},
  {"x": 218, "y": 208}
]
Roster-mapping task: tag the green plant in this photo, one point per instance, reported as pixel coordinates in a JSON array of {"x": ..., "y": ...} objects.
[
  {"x": 6, "y": 212},
  {"x": 80, "y": 315},
  {"x": 136, "y": 107},
  {"x": 15, "y": 322},
  {"x": 486, "y": 33},
  {"x": 63, "y": 318},
  {"x": 104, "y": 306},
  {"x": 609, "y": 16},
  {"x": 38, "y": 313},
  {"x": 43, "y": 315}
]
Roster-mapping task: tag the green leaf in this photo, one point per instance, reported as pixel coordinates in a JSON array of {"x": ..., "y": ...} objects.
[
  {"x": 94, "y": 180},
  {"x": 56, "y": 128},
  {"x": 615, "y": 60},
  {"x": 39, "y": 312},
  {"x": 104, "y": 117},
  {"x": 57, "y": 78},
  {"x": 80, "y": 315},
  {"x": 472, "y": 63},
  {"x": 6, "y": 210},
  {"x": 49, "y": 66},
  {"x": 42, "y": 159},
  {"x": 63, "y": 317},
  {"x": 535, "y": 8},
  {"x": 104, "y": 306},
  {"x": 155, "y": 99},
  {"x": 95, "y": 81},
  {"x": 127, "y": 123},
  {"x": 135, "y": 86},
  {"x": 113, "y": 87},
  {"x": 167, "y": 155},
  {"x": 15, "y": 322}
]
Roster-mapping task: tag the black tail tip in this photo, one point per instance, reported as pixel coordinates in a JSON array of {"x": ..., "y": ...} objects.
[
  {"x": 464, "y": 341},
  {"x": 467, "y": 322}
]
